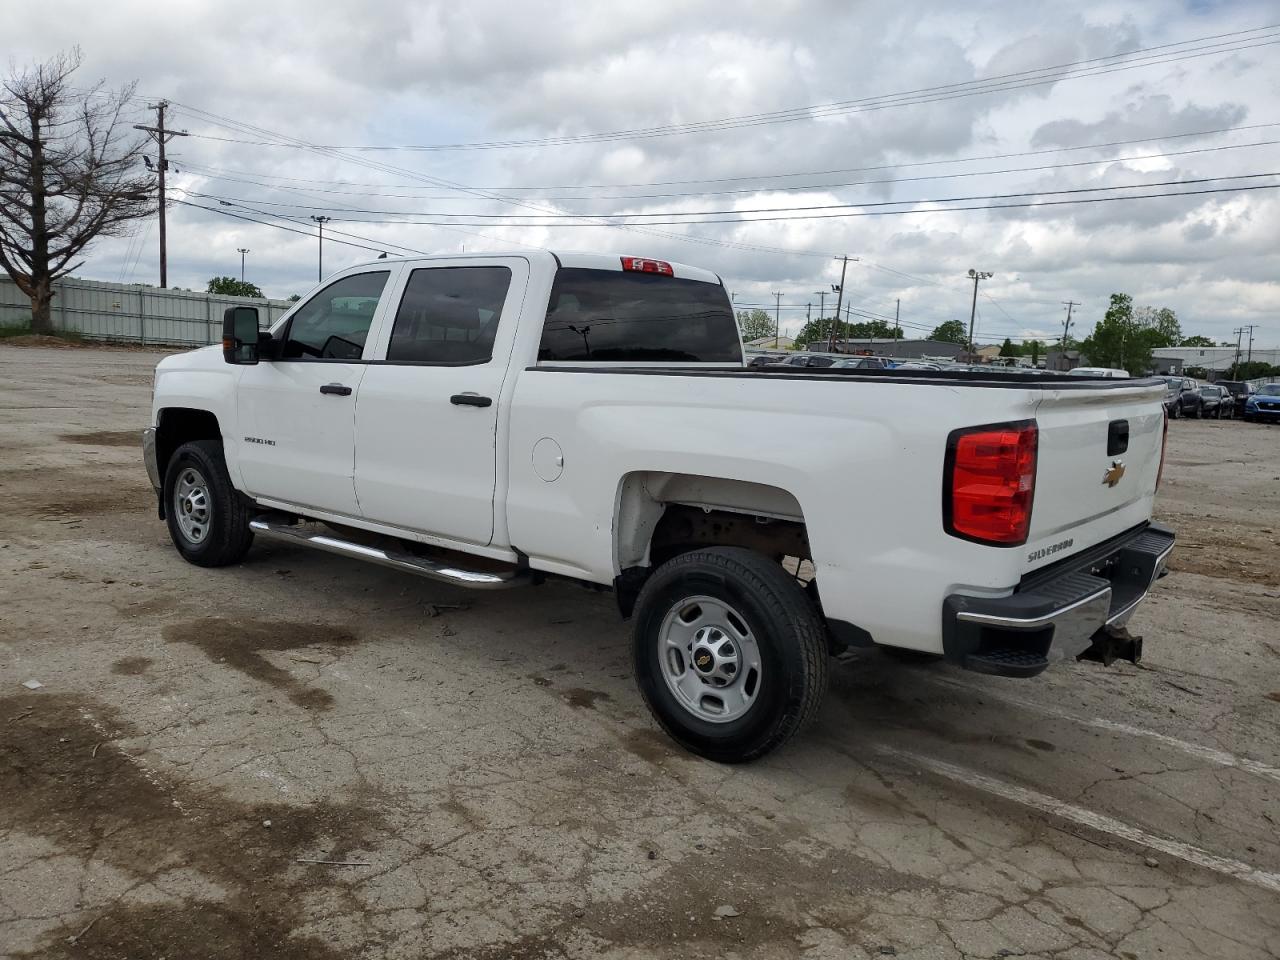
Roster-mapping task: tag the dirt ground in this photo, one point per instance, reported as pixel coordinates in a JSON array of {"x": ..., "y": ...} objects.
[{"x": 483, "y": 780}]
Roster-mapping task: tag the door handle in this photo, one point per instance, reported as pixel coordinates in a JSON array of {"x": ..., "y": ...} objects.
[
  {"x": 470, "y": 400},
  {"x": 337, "y": 389}
]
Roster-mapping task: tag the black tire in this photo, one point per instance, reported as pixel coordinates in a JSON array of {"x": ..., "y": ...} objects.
[
  {"x": 1219, "y": 416},
  {"x": 1195, "y": 414},
  {"x": 1177, "y": 412},
  {"x": 226, "y": 535},
  {"x": 788, "y": 632}
]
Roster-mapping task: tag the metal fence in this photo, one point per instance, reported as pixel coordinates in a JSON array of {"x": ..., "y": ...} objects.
[{"x": 134, "y": 313}]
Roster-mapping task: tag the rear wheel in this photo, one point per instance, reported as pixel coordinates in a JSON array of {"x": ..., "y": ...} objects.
[
  {"x": 730, "y": 654},
  {"x": 1219, "y": 414},
  {"x": 208, "y": 518}
]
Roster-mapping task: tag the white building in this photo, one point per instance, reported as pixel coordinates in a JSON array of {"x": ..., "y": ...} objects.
[{"x": 1177, "y": 359}]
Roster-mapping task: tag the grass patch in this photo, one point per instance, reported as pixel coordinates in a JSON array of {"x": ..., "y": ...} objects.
[{"x": 22, "y": 328}]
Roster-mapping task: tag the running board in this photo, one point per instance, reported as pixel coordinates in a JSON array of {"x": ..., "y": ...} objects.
[{"x": 422, "y": 566}]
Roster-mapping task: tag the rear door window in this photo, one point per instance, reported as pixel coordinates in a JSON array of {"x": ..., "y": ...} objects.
[
  {"x": 597, "y": 316},
  {"x": 449, "y": 315}
]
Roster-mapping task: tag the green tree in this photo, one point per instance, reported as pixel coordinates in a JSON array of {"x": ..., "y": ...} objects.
[
  {"x": 1033, "y": 349},
  {"x": 1251, "y": 370},
  {"x": 231, "y": 287},
  {"x": 294, "y": 297},
  {"x": 1162, "y": 323},
  {"x": 1197, "y": 341},
  {"x": 755, "y": 324},
  {"x": 1118, "y": 340},
  {"x": 951, "y": 331},
  {"x": 1007, "y": 349}
]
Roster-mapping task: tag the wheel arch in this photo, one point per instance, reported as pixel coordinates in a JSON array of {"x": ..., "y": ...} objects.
[
  {"x": 660, "y": 514},
  {"x": 178, "y": 425}
]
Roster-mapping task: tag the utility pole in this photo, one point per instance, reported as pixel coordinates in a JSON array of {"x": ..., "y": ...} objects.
[
  {"x": 839, "y": 292},
  {"x": 320, "y": 264},
  {"x": 1066, "y": 329},
  {"x": 242, "y": 251},
  {"x": 161, "y": 136},
  {"x": 777, "y": 318},
  {"x": 1239, "y": 332},
  {"x": 897, "y": 330},
  {"x": 975, "y": 276},
  {"x": 1249, "y": 358},
  {"x": 822, "y": 314}
]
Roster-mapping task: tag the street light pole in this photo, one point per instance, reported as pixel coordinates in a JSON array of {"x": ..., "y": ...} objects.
[
  {"x": 242, "y": 251},
  {"x": 975, "y": 275},
  {"x": 320, "y": 263}
]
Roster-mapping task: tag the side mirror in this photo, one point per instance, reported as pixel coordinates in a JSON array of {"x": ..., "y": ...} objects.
[{"x": 240, "y": 335}]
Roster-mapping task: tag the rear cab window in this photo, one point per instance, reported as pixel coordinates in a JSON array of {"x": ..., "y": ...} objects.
[{"x": 611, "y": 316}]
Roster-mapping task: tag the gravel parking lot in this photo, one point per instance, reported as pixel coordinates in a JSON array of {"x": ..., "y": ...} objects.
[{"x": 481, "y": 779}]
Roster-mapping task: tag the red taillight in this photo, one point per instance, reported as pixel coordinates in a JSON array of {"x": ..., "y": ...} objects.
[
  {"x": 989, "y": 482},
  {"x": 1164, "y": 444},
  {"x": 640, "y": 265}
]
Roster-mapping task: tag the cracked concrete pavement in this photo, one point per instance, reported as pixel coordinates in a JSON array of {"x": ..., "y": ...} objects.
[{"x": 485, "y": 781}]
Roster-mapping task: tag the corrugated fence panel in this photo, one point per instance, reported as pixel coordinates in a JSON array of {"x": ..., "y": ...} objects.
[{"x": 135, "y": 312}]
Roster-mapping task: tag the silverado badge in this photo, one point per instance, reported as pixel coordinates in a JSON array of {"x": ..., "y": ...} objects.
[{"x": 1114, "y": 473}]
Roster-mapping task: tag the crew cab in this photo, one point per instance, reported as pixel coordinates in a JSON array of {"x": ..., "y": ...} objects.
[{"x": 494, "y": 421}]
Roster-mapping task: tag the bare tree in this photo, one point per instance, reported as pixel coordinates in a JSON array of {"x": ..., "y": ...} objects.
[{"x": 66, "y": 175}]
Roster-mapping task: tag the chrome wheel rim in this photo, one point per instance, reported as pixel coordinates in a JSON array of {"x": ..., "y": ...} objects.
[
  {"x": 710, "y": 659},
  {"x": 191, "y": 505}
]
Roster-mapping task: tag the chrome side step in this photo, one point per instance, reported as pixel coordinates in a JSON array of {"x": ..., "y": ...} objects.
[{"x": 422, "y": 566}]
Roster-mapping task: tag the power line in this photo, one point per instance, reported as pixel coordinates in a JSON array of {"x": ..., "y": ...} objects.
[
  {"x": 859, "y": 210},
  {"x": 859, "y": 205},
  {"x": 214, "y": 174},
  {"x": 1143, "y": 57}
]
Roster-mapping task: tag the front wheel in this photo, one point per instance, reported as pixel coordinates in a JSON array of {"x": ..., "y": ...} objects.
[
  {"x": 208, "y": 519},
  {"x": 730, "y": 654}
]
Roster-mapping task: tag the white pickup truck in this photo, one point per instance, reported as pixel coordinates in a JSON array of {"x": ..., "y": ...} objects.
[{"x": 495, "y": 420}]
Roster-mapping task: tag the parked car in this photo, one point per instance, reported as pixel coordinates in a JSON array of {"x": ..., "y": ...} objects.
[
  {"x": 805, "y": 360},
  {"x": 765, "y": 359},
  {"x": 1184, "y": 398},
  {"x": 1215, "y": 402},
  {"x": 1240, "y": 391},
  {"x": 863, "y": 363},
  {"x": 1110, "y": 372},
  {"x": 917, "y": 365},
  {"x": 1264, "y": 405},
  {"x": 498, "y": 420}
]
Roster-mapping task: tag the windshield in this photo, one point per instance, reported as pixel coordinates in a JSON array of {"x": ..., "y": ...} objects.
[{"x": 1270, "y": 390}]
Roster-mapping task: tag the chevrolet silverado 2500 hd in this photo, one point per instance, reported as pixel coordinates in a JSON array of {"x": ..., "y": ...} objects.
[{"x": 494, "y": 420}]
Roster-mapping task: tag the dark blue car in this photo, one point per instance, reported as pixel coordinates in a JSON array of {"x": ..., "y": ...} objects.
[{"x": 1265, "y": 404}]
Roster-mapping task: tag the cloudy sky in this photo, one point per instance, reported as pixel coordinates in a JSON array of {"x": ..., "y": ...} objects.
[{"x": 573, "y": 125}]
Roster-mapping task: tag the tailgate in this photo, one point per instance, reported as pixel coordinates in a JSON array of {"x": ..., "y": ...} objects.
[{"x": 1099, "y": 456}]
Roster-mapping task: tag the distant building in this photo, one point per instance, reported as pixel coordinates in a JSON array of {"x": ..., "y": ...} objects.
[
  {"x": 1212, "y": 359},
  {"x": 1060, "y": 360},
  {"x": 900, "y": 349}
]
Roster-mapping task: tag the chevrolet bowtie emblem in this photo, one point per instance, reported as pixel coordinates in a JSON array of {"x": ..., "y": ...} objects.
[{"x": 1114, "y": 473}]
